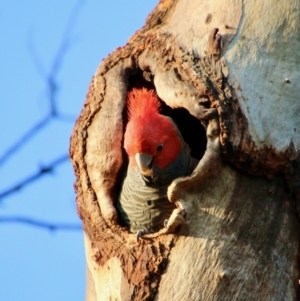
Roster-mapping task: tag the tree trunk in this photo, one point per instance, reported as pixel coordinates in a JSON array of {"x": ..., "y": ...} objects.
[{"x": 234, "y": 66}]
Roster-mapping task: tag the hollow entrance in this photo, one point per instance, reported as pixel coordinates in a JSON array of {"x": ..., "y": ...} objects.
[{"x": 192, "y": 131}]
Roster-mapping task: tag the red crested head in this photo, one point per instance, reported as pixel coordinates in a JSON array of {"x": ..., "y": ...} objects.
[{"x": 148, "y": 132}]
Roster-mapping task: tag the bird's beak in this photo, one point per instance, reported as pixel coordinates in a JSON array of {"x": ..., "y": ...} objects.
[{"x": 144, "y": 163}]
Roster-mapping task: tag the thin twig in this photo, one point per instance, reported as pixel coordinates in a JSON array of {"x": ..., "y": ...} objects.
[
  {"x": 66, "y": 118},
  {"x": 39, "y": 223},
  {"x": 52, "y": 86},
  {"x": 41, "y": 172},
  {"x": 61, "y": 52},
  {"x": 51, "y": 81},
  {"x": 25, "y": 138},
  {"x": 65, "y": 41}
]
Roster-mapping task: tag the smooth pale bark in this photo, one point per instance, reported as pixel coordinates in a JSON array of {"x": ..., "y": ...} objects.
[
  {"x": 263, "y": 52},
  {"x": 240, "y": 237}
]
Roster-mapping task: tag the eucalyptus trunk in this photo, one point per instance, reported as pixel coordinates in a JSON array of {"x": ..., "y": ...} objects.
[{"x": 234, "y": 67}]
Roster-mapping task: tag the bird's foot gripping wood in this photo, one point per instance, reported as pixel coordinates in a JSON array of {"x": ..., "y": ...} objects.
[{"x": 171, "y": 225}]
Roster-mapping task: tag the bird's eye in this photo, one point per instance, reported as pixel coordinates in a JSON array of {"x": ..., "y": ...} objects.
[{"x": 159, "y": 147}]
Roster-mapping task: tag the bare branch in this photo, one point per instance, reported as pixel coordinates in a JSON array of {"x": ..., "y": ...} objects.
[
  {"x": 60, "y": 54},
  {"x": 40, "y": 224},
  {"x": 42, "y": 172},
  {"x": 66, "y": 118},
  {"x": 65, "y": 41},
  {"x": 27, "y": 136},
  {"x": 51, "y": 80}
]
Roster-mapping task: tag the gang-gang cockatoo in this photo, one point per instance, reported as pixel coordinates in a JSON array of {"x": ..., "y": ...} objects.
[{"x": 157, "y": 155}]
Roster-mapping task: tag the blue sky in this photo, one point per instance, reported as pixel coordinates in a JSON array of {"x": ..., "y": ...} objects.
[{"x": 37, "y": 264}]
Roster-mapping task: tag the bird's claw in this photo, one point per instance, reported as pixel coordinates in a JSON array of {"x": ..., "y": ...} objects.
[
  {"x": 142, "y": 233},
  {"x": 176, "y": 219}
]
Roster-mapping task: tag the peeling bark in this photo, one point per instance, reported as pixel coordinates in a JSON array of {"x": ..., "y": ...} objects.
[{"x": 238, "y": 238}]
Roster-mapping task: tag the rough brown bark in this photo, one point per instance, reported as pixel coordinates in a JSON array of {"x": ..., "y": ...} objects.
[{"x": 240, "y": 237}]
